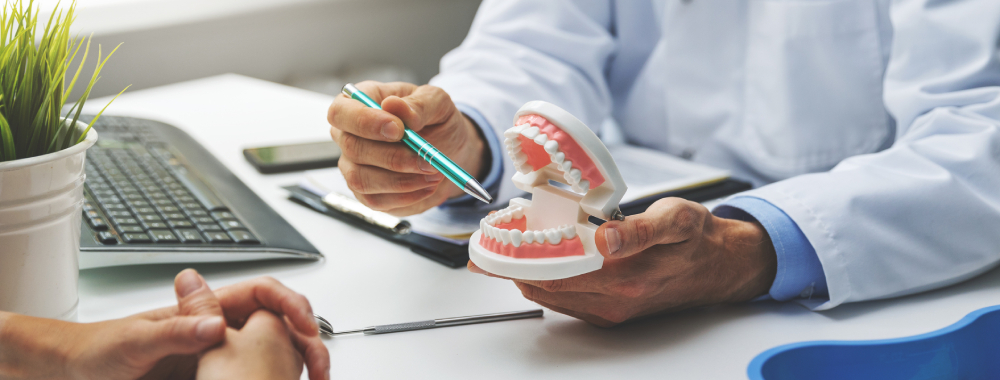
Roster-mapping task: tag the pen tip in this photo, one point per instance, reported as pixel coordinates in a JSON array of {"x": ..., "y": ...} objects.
[{"x": 473, "y": 188}]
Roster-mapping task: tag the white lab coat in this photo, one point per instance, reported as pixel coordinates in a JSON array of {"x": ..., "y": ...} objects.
[{"x": 872, "y": 123}]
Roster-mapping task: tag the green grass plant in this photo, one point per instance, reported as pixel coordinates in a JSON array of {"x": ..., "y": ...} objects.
[{"x": 34, "y": 62}]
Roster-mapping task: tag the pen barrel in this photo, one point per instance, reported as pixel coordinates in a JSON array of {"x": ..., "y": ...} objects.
[
  {"x": 485, "y": 318},
  {"x": 442, "y": 163}
]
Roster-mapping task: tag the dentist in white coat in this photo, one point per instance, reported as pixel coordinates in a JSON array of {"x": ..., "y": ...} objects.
[{"x": 871, "y": 128}]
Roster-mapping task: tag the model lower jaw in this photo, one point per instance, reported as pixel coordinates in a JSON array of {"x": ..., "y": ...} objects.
[{"x": 505, "y": 233}]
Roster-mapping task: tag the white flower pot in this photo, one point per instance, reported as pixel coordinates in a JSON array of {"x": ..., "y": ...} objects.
[{"x": 41, "y": 201}]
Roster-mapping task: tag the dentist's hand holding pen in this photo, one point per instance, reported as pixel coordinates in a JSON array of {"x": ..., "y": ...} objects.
[{"x": 385, "y": 174}]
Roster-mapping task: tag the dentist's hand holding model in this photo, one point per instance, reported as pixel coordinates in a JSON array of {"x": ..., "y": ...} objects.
[{"x": 870, "y": 128}]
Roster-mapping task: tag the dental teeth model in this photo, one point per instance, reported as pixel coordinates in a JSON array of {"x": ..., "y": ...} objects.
[{"x": 550, "y": 237}]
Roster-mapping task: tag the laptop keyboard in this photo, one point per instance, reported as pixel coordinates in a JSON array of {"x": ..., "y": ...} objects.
[{"x": 139, "y": 192}]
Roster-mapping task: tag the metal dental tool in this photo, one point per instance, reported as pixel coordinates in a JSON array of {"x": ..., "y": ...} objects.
[{"x": 327, "y": 329}]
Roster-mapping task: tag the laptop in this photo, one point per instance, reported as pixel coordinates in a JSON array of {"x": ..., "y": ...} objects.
[{"x": 154, "y": 195}]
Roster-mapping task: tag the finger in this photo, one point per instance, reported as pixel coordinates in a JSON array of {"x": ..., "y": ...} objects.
[
  {"x": 363, "y": 179},
  {"x": 591, "y": 307},
  {"x": 354, "y": 117},
  {"x": 391, "y": 202},
  {"x": 378, "y": 91},
  {"x": 194, "y": 296},
  {"x": 476, "y": 269},
  {"x": 581, "y": 283},
  {"x": 668, "y": 221},
  {"x": 592, "y": 319},
  {"x": 175, "y": 336},
  {"x": 240, "y": 300},
  {"x": 427, "y": 105},
  {"x": 388, "y": 155},
  {"x": 315, "y": 354}
]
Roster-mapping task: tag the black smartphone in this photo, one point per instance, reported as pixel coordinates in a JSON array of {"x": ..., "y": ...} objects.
[{"x": 288, "y": 158}]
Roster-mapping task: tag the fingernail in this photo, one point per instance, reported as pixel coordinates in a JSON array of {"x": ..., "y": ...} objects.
[
  {"x": 433, "y": 177},
  {"x": 390, "y": 130},
  {"x": 425, "y": 166},
  {"x": 614, "y": 240},
  {"x": 208, "y": 329},
  {"x": 188, "y": 282}
]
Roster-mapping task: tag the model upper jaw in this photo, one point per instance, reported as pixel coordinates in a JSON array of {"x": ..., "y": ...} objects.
[{"x": 535, "y": 143}]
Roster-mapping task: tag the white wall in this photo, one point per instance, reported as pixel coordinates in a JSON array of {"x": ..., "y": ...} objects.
[{"x": 276, "y": 40}]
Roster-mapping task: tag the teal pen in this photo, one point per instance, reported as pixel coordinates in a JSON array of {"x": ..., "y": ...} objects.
[{"x": 428, "y": 152}]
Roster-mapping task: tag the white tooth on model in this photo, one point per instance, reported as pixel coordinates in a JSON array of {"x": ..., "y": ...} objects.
[
  {"x": 568, "y": 232},
  {"x": 515, "y": 237},
  {"x": 541, "y": 139},
  {"x": 520, "y": 159},
  {"x": 558, "y": 158},
  {"x": 506, "y": 217},
  {"x": 524, "y": 169},
  {"x": 530, "y": 133},
  {"x": 567, "y": 165},
  {"x": 569, "y": 178},
  {"x": 505, "y": 236},
  {"x": 552, "y": 146},
  {"x": 482, "y": 226},
  {"x": 585, "y": 185},
  {"x": 518, "y": 213},
  {"x": 575, "y": 173},
  {"x": 577, "y": 188},
  {"x": 552, "y": 236},
  {"x": 528, "y": 236},
  {"x": 521, "y": 127}
]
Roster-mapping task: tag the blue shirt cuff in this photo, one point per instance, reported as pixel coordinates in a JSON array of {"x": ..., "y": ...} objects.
[
  {"x": 800, "y": 274},
  {"x": 492, "y": 181}
]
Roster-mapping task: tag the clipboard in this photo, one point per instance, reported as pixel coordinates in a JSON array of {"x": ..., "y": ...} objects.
[{"x": 455, "y": 253}]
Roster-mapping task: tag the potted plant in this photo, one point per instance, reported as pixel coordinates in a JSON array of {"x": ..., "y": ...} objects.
[{"x": 42, "y": 151}]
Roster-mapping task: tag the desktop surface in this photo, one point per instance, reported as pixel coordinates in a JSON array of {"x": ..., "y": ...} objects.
[{"x": 365, "y": 280}]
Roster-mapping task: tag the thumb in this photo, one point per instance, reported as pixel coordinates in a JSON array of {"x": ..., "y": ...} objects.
[
  {"x": 180, "y": 336},
  {"x": 194, "y": 297},
  {"x": 427, "y": 105},
  {"x": 667, "y": 221}
]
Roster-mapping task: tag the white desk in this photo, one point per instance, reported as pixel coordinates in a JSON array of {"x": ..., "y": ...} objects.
[{"x": 365, "y": 280}]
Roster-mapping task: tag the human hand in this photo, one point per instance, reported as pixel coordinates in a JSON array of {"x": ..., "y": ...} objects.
[
  {"x": 261, "y": 349},
  {"x": 674, "y": 256},
  {"x": 159, "y": 344},
  {"x": 385, "y": 174},
  {"x": 239, "y": 301}
]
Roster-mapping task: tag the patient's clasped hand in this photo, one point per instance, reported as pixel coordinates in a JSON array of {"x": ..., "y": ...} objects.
[{"x": 257, "y": 329}]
